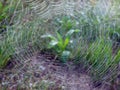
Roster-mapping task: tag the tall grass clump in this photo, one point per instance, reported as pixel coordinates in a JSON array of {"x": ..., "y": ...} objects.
[
  {"x": 6, "y": 43},
  {"x": 20, "y": 35},
  {"x": 6, "y": 52},
  {"x": 7, "y": 12}
]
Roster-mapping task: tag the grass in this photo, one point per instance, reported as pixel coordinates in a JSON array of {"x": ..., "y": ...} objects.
[
  {"x": 93, "y": 44},
  {"x": 6, "y": 52}
]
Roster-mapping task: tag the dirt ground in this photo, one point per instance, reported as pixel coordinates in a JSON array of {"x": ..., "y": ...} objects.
[{"x": 45, "y": 68}]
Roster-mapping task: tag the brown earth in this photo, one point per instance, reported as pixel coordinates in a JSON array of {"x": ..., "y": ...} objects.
[{"x": 45, "y": 68}]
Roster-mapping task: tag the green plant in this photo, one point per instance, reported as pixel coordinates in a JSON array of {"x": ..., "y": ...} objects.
[
  {"x": 6, "y": 51},
  {"x": 3, "y": 10},
  {"x": 64, "y": 23},
  {"x": 90, "y": 23},
  {"x": 67, "y": 23},
  {"x": 60, "y": 43},
  {"x": 100, "y": 58},
  {"x": 3, "y": 15},
  {"x": 8, "y": 10}
]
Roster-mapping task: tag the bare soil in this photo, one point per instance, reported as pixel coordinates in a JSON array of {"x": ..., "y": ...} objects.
[{"x": 45, "y": 68}]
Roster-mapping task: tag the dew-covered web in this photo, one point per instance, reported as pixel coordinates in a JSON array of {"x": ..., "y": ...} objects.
[{"x": 97, "y": 43}]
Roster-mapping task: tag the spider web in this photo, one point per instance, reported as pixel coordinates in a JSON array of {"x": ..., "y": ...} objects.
[{"x": 39, "y": 12}]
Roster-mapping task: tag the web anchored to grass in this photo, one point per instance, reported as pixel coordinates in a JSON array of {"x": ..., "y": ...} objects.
[{"x": 85, "y": 32}]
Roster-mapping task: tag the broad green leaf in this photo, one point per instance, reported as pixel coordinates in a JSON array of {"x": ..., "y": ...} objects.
[
  {"x": 66, "y": 53},
  {"x": 70, "y": 32},
  {"x": 60, "y": 41},
  {"x": 59, "y": 37},
  {"x": 60, "y": 45},
  {"x": 66, "y": 42},
  {"x": 65, "y": 56},
  {"x": 48, "y": 36},
  {"x": 53, "y": 43}
]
